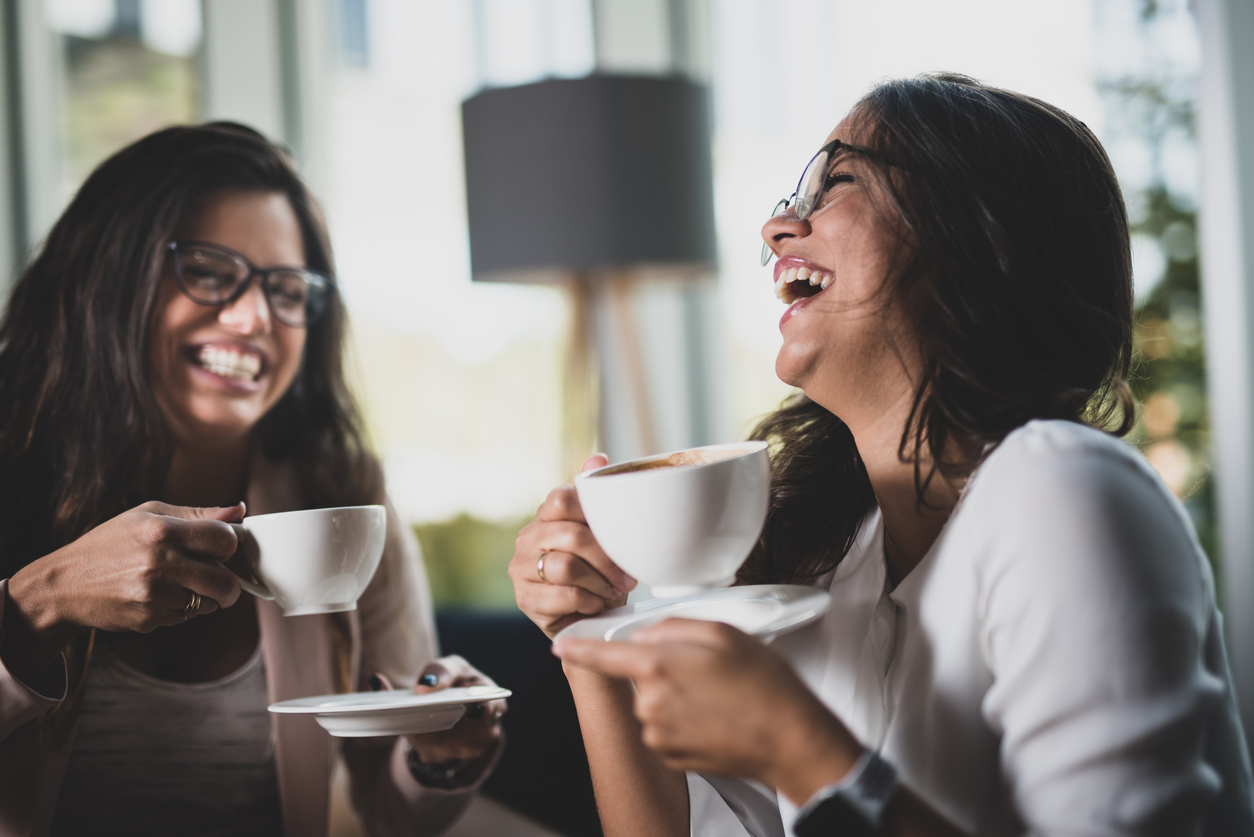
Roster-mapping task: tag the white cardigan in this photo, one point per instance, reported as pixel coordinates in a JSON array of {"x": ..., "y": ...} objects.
[{"x": 1053, "y": 666}]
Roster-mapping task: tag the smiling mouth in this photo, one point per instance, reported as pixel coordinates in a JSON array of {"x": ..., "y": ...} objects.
[
  {"x": 229, "y": 363},
  {"x": 799, "y": 282}
]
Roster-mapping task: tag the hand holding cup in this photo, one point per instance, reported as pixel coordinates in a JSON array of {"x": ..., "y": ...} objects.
[{"x": 576, "y": 579}]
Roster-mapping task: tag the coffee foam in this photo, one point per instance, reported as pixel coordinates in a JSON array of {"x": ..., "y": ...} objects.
[{"x": 680, "y": 459}]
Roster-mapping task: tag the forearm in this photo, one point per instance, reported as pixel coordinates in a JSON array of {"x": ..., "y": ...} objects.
[{"x": 636, "y": 793}]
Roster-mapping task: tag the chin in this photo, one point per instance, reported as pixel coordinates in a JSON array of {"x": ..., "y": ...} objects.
[
  {"x": 788, "y": 369},
  {"x": 223, "y": 425}
]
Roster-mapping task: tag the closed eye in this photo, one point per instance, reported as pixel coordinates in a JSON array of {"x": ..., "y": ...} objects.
[{"x": 836, "y": 177}]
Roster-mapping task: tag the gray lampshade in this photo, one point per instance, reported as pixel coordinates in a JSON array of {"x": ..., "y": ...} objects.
[{"x": 579, "y": 174}]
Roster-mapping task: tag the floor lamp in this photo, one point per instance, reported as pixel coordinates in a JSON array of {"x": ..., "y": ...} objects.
[{"x": 592, "y": 184}]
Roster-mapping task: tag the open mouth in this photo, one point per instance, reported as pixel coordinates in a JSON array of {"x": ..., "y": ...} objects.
[
  {"x": 229, "y": 362},
  {"x": 799, "y": 282}
]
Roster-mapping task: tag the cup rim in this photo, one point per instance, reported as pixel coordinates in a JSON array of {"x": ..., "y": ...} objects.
[
  {"x": 293, "y": 512},
  {"x": 751, "y": 447}
]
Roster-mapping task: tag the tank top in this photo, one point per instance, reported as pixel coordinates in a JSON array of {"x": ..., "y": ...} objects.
[{"x": 153, "y": 757}]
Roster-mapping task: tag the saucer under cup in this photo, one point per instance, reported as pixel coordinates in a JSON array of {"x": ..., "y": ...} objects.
[{"x": 391, "y": 712}]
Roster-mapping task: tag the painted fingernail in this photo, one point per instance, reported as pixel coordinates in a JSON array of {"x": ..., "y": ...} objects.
[
  {"x": 429, "y": 679},
  {"x": 375, "y": 683},
  {"x": 474, "y": 711}
]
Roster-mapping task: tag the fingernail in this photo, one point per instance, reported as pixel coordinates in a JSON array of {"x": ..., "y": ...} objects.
[
  {"x": 616, "y": 593},
  {"x": 474, "y": 711},
  {"x": 429, "y": 679},
  {"x": 630, "y": 583},
  {"x": 375, "y": 683}
]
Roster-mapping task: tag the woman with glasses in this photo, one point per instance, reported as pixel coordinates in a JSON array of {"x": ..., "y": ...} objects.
[
  {"x": 170, "y": 360},
  {"x": 1023, "y": 636}
]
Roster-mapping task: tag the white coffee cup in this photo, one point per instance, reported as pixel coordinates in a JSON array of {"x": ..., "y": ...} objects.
[
  {"x": 681, "y": 522},
  {"x": 314, "y": 560}
]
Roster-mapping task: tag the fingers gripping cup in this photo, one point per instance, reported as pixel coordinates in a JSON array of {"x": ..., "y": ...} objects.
[
  {"x": 315, "y": 560},
  {"x": 681, "y": 522}
]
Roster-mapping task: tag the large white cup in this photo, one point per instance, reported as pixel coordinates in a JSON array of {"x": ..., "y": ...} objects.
[
  {"x": 314, "y": 560},
  {"x": 680, "y": 522}
]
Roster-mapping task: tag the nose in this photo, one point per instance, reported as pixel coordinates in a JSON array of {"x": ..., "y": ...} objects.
[
  {"x": 248, "y": 315},
  {"x": 779, "y": 228}
]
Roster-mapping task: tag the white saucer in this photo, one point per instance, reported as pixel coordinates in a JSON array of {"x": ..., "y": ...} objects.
[
  {"x": 395, "y": 712},
  {"x": 763, "y": 610}
]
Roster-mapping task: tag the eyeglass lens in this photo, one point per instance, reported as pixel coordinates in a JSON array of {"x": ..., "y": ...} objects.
[
  {"x": 296, "y": 297},
  {"x": 810, "y": 189}
]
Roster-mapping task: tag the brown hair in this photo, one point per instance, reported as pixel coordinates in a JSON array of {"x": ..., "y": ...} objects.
[
  {"x": 1016, "y": 281},
  {"x": 81, "y": 436}
]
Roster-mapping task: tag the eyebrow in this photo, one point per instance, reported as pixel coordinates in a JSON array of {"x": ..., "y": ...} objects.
[{"x": 844, "y": 148}]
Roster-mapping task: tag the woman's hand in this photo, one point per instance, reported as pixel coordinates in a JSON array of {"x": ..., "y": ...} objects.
[
  {"x": 135, "y": 572},
  {"x": 469, "y": 746},
  {"x": 712, "y": 699},
  {"x": 579, "y": 578}
]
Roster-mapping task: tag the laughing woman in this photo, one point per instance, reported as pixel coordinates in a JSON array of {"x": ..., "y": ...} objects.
[
  {"x": 1023, "y": 637},
  {"x": 172, "y": 353}
]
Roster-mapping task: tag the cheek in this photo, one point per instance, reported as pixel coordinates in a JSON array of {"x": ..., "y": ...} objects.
[
  {"x": 170, "y": 318},
  {"x": 292, "y": 341}
]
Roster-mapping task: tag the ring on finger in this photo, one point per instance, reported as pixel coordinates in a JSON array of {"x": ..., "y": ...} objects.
[
  {"x": 540, "y": 565},
  {"x": 192, "y": 607}
]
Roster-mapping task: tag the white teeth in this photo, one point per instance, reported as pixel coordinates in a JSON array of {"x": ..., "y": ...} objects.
[
  {"x": 803, "y": 273},
  {"x": 815, "y": 278},
  {"x": 827, "y": 280},
  {"x": 779, "y": 286},
  {"x": 229, "y": 363}
]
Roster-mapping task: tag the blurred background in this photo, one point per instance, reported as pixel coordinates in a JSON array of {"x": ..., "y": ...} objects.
[{"x": 467, "y": 384}]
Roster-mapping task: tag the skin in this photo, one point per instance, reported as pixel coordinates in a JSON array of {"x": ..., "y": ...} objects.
[
  {"x": 663, "y": 703},
  {"x": 135, "y": 573}
]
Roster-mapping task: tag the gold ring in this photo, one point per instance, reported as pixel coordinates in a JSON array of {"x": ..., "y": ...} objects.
[
  {"x": 540, "y": 565},
  {"x": 192, "y": 607}
]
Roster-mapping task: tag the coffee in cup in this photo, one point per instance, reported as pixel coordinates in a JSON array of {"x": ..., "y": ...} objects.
[
  {"x": 680, "y": 522},
  {"x": 313, "y": 560}
]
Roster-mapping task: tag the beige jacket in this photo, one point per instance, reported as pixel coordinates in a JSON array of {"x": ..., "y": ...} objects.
[{"x": 392, "y": 631}]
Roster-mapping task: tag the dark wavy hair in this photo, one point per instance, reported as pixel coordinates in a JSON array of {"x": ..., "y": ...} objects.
[
  {"x": 81, "y": 435},
  {"x": 1015, "y": 281}
]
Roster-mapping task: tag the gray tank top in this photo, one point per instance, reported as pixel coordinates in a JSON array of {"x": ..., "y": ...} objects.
[{"x": 153, "y": 757}]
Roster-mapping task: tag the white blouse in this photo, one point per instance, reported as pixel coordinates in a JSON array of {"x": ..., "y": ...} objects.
[{"x": 1053, "y": 666}]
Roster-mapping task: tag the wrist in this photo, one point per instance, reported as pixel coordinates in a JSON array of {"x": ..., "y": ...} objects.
[
  {"x": 855, "y": 806},
  {"x": 450, "y": 774},
  {"x": 815, "y": 750},
  {"x": 34, "y": 608},
  {"x": 30, "y": 656}
]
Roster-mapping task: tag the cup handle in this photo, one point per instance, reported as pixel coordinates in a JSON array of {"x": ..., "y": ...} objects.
[{"x": 255, "y": 587}]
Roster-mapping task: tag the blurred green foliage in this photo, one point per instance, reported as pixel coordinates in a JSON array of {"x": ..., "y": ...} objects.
[
  {"x": 1169, "y": 377},
  {"x": 1154, "y": 106},
  {"x": 467, "y": 560}
]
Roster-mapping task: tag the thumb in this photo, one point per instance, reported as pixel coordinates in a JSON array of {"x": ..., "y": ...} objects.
[
  {"x": 227, "y": 514},
  {"x": 597, "y": 460}
]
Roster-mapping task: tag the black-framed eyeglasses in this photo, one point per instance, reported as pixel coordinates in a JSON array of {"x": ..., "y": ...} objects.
[
  {"x": 810, "y": 187},
  {"x": 210, "y": 274}
]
